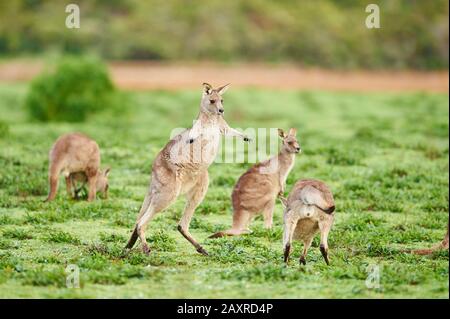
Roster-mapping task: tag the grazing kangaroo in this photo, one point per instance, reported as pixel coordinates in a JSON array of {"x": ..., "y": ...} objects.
[
  {"x": 308, "y": 210},
  {"x": 78, "y": 158},
  {"x": 257, "y": 189},
  {"x": 80, "y": 177},
  {"x": 181, "y": 167}
]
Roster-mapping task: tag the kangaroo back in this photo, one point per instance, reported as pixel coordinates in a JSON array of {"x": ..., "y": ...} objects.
[{"x": 313, "y": 192}]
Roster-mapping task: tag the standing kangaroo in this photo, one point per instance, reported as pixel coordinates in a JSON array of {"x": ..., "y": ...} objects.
[
  {"x": 257, "y": 189},
  {"x": 181, "y": 167},
  {"x": 78, "y": 158},
  {"x": 308, "y": 209}
]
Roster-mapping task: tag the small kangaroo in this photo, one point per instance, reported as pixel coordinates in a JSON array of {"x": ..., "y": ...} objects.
[
  {"x": 308, "y": 209},
  {"x": 181, "y": 167},
  {"x": 257, "y": 189},
  {"x": 78, "y": 157},
  {"x": 80, "y": 177}
]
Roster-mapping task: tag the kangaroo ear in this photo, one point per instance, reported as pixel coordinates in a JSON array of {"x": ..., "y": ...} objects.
[
  {"x": 281, "y": 133},
  {"x": 107, "y": 170},
  {"x": 207, "y": 88},
  {"x": 223, "y": 89},
  {"x": 293, "y": 132}
]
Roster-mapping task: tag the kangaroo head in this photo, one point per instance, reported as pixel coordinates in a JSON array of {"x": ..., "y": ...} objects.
[
  {"x": 212, "y": 102},
  {"x": 102, "y": 180},
  {"x": 290, "y": 143}
]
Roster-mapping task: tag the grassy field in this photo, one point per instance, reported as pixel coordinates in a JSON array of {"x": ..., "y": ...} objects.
[{"x": 385, "y": 157}]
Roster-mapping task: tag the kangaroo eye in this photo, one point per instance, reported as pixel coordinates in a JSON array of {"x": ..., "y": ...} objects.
[
  {"x": 221, "y": 101},
  {"x": 290, "y": 143},
  {"x": 212, "y": 101}
]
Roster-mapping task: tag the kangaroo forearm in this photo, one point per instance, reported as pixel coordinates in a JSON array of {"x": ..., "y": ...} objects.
[
  {"x": 231, "y": 132},
  {"x": 281, "y": 186}
]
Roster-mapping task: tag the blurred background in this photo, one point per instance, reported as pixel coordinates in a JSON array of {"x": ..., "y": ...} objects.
[
  {"x": 331, "y": 34},
  {"x": 235, "y": 41}
]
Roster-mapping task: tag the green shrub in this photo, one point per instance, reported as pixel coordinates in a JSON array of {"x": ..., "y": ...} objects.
[
  {"x": 76, "y": 88},
  {"x": 162, "y": 241},
  {"x": 112, "y": 238},
  {"x": 4, "y": 129},
  {"x": 61, "y": 237},
  {"x": 17, "y": 234},
  {"x": 41, "y": 277},
  {"x": 263, "y": 273}
]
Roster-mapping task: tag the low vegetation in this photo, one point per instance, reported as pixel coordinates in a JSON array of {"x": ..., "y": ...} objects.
[
  {"x": 76, "y": 88},
  {"x": 385, "y": 156}
]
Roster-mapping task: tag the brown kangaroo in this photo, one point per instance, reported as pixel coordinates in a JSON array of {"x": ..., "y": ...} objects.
[
  {"x": 181, "y": 167},
  {"x": 257, "y": 189},
  {"x": 308, "y": 210},
  {"x": 78, "y": 158},
  {"x": 80, "y": 177}
]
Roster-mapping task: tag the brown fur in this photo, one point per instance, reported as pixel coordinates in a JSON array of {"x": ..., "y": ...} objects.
[
  {"x": 78, "y": 158},
  {"x": 80, "y": 178},
  {"x": 309, "y": 210},
  {"x": 178, "y": 170},
  {"x": 258, "y": 188}
]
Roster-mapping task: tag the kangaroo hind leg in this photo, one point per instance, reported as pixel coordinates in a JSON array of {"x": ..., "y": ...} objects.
[
  {"x": 268, "y": 214},
  {"x": 158, "y": 203},
  {"x": 241, "y": 219},
  {"x": 325, "y": 227},
  {"x": 53, "y": 178},
  {"x": 194, "y": 198},
  {"x": 290, "y": 223},
  {"x": 135, "y": 234}
]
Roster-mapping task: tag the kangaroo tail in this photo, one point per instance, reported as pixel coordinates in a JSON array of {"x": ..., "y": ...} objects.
[
  {"x": 217, "y": 235},
  {"x": 328, "y": 210},
  {"x": 229, "y": 232}
]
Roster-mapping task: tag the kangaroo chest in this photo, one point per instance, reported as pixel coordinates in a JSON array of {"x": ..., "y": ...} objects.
[
  {"x": 285, "y": 172},
  {"x": 279, "y": 169},
  {"x": 191, "y": 158}
]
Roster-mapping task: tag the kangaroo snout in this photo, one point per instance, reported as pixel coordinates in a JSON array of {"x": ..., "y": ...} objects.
[{"x": 221, "y": 111}]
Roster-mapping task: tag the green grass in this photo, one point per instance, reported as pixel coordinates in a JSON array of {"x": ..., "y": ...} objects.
[{"x": 385, "y": 157}]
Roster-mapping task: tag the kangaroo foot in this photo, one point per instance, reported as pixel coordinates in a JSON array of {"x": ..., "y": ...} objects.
[
  {"x": 287, "y": 250},
  {"x": 324, "y": 254},
  {"x": 302, "y": 260},
  {"x": 202, "y": 251}
]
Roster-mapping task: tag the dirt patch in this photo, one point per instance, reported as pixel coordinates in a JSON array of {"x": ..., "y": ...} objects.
[{"x": 149, "y": 75}]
